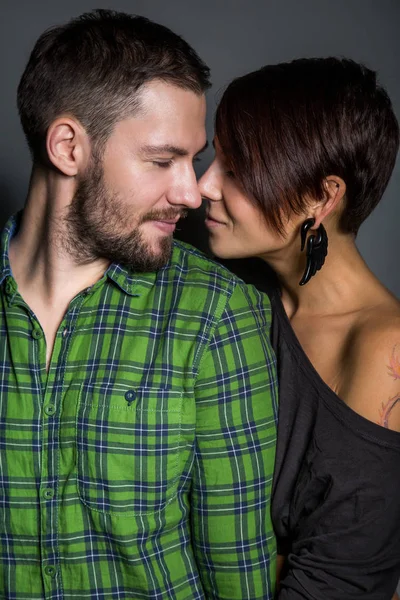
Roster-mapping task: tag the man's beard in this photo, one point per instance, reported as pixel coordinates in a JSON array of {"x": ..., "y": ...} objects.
[{"x": 96, "y": 227}]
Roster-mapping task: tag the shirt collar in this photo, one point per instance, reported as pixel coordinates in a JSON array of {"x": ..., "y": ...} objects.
[
  {"x": 128, "y": 281},
  {"x": 6, "y": 235}
]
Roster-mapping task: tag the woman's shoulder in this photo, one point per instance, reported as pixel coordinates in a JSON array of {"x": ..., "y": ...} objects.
[{"x": 372, "y": 384}]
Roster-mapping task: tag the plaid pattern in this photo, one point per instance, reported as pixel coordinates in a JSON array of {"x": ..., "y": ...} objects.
[{"x": 140, "y": 465}]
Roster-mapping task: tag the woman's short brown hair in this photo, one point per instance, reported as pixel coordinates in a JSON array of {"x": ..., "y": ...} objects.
[{"x": 286, "y": 127}]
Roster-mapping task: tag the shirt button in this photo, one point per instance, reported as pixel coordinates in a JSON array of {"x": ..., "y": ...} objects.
[
  {"x": 9, "y": 287},
  {"x": 48, "y": 494},
  {"x": 37, "y": 334},
  {"x": 50, "y": 409},
  {"x": 130, "y": 395},
  {"x": 65, "y": 332},
  {"x": 50, "y": 571}
]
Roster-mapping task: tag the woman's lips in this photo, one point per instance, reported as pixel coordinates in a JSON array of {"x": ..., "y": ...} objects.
[{"x": 212, "y": 223}]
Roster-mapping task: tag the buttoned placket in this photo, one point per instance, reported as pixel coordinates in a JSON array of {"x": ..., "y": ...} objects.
[{"x": 51, "y": 383}]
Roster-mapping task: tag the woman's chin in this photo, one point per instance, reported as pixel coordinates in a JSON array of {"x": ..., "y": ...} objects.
[{"x": 225, "y": 252}]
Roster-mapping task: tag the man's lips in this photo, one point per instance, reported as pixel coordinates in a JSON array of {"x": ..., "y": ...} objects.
[{"x": 166, "y": 225}]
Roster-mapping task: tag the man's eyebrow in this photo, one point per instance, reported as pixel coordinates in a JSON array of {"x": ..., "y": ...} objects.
[
  {"x": 165, "y": 149},
  {"x": 168, "y": 149}
]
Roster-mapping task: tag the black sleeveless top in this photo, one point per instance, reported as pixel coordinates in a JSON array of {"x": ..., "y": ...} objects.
[{"x": 336, "y": 495}]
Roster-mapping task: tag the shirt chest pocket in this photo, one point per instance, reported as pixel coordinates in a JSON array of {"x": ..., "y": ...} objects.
[{"x": 128, "y": 443}]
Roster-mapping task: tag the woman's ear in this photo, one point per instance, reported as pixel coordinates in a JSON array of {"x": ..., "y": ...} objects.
[
  {"x": 335, "y": 190},
  {"x": 67, "y": 146}
]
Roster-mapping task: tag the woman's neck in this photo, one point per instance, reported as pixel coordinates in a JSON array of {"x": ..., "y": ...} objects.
[{"x": 343, "y": 284}]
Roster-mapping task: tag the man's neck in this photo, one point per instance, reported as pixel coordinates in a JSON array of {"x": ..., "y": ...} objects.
[{"x": 41, "y": 264}]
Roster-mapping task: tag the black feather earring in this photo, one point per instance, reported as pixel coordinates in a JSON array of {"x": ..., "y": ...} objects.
[{"x": 317, "y": 249}]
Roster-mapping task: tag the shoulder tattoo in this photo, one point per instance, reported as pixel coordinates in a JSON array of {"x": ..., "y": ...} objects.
[{"x": 394, "y": 373}]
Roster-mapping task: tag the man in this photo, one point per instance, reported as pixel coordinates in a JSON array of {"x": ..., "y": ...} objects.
[{"x": 138, "y": 385}]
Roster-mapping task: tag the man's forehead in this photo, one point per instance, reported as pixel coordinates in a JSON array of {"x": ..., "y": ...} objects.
[
  {"x": 161, "y": 96},
  {"x": 168, "y": 119}
]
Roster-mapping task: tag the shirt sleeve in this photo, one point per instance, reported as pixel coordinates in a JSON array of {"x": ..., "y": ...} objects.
[{"x": 236, "y": 404}]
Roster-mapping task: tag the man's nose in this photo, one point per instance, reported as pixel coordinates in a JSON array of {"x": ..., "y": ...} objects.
[{"x": 186, "y": 192}]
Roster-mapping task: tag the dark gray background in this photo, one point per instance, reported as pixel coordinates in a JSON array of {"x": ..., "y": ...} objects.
[{"x": 233, "y": 37}]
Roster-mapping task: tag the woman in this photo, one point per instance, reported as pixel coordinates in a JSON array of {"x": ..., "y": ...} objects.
[{"x": 304, "y": 151}]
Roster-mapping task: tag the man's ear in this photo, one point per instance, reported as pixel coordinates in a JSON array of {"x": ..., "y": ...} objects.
[
  {"x": 335, "y": 189},
  {"x": 68, "y": 146}
]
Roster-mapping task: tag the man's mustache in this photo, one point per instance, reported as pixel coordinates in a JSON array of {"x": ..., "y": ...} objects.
[{"x": 165, "y": 215}]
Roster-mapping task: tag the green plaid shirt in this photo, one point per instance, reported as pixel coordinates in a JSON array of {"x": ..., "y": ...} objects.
[{"x": 140, "y": 465}]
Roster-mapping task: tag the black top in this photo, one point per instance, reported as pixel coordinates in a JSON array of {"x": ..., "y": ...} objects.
[{"x": 336, "y": 499}]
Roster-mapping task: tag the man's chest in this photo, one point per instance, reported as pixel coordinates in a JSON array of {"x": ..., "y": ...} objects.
[{"x": 113, "y": 417}]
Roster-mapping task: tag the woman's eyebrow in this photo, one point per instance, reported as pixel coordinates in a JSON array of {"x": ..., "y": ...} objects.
[{"x": 203, "y": 148}]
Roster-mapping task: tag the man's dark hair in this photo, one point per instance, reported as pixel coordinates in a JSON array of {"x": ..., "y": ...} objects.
[
  {"x": 284, "y": 128},
  {"x": 92, "y": 69}
]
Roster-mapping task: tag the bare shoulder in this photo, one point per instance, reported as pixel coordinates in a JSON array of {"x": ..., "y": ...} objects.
[{"x": 372, "y": 382}]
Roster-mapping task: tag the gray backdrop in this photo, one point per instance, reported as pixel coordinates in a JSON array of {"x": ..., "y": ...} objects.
[{"x": 233, "y": 37}]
